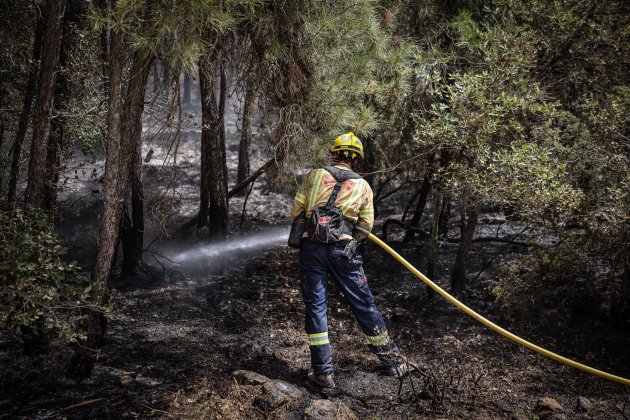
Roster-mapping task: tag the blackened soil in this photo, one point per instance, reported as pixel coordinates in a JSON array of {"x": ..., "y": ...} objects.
[{"x": 172, "y": 341}]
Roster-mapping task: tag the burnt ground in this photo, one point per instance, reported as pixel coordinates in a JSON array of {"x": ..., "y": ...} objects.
[{"x": 175, "y": 341}]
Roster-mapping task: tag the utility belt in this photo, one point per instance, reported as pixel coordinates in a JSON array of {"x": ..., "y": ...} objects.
[{"x": 326, "y": 223}]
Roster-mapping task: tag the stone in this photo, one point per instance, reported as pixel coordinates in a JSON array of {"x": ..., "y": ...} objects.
[
  {"x": 246, "y": 377},
  {"x": 274, "y": 394},
  {"x": 548, "y": 404},
  {"x": 584, "y": 404},
  {"x": 328, "y": 410},
  {"x": 126, "y": 379}
]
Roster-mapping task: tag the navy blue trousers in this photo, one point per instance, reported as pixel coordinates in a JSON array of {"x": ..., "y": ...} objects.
[{"x": 316, "y": 262}]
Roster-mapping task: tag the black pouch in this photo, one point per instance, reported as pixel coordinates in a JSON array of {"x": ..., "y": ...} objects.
[
  {"x": 327, "y": 225},
  {"x": 297, "y": 230}
]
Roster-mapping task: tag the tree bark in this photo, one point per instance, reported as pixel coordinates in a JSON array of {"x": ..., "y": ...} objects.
[
  {"x": 218, "y": 209},
  {"x": 213, "y": 209},
  {"x": 55, "y": 144},
  {"x": 433, "y": 242},
  {"x": 187, "y": 83},
  {"x": 51, "y": 44},
  {"x": 133, "y": 241},
  {"x": 245, "y": 146},
  {"x": 425, "y": 190},
  {"x": 103, "y": 5},
  {"x": 468, "y": 224},
  {"x": 114, "y": 195},
  {"x": 20, "y": 135},
  {"x": 156, "y": 76},
  {"x": 207, "y": 83}
]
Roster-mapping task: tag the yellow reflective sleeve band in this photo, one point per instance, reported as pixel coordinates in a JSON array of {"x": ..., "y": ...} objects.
[
  {"x": 378, "y": 340},
  {"x": 299, "y": 197},
  {"x": 318, "y": 339},
  {"x": 366, "y": 213}
]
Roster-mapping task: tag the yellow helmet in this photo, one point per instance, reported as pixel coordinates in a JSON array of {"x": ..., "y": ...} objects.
[{"x": 349, "y": 144}]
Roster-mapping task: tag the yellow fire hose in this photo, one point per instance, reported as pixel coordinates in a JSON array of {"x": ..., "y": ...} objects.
[{"x": 489, "y": 323}]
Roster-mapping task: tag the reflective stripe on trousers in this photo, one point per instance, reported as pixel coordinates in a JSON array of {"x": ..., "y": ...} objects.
[{"x": 316, "y": 262}]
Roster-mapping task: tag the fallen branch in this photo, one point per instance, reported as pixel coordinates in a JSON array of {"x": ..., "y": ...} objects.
[
  {"x": 82, "y": 404},
  {"x": 238, "y": 187}
]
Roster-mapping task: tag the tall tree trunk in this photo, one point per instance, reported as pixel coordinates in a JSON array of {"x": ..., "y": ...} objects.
[
  {"x": 218, "y": 208},
  {"x": 187, "y": 83},
  {"x": 104, "y": 44},
  {"x": 55, "y": 144},
  {"x": 207, "y": 83},
  {"x": 425, "y": 189},
  {"x": 1, "y": 143},
  {"x": 133, "y": 242},
  {"x": 20, "y": 135},
  {"x": 114, "y": 195},
  {"x": 44, "y": 104},
  {"x": 245, "y": 146},
  {"x": 433, "y": 241},
  {"x": 468, "y": 224},
  {"x": 156, "y": 76}
]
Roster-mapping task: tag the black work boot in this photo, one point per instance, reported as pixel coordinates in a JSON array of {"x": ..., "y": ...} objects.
[
  {"x": 399, "y": 368},
  {"x": 323, "y": 380}
]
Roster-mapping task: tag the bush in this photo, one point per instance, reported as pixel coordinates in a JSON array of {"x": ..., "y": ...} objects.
[{"x": 41, "y": 293}]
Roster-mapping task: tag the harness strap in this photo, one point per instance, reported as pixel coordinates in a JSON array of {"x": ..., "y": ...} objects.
[{"x": 333, "y": 195}]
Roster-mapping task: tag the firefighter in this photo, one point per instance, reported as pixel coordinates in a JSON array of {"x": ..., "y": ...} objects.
[{"x": 317, "y": 260}]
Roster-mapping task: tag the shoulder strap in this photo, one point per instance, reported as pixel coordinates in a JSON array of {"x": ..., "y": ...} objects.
[
  {"x": 333, "y": 196},
  {"x": 340, "y": 176}
]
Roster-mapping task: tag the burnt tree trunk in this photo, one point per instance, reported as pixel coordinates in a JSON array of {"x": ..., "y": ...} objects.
[
  {"x": 133, "y": 241},
  {"x": 207, "y": 83},
  {"x": 156, "y": 76},
  {"x": 1, "y": 143},
  {"x": 187, "y": 83},
  {"x": 51, "y": 44},
  {"x": 468, "y": 224},
  {"x": 103, "y": 5},
  {"x": 55, "y": 144},
  {"x": 114, "y": 195},
  {"x": 245, "y": 145},
  {"x": 213, "y": 209},
  {"x": 218, "y": 209},
  {"x": 434, "y": 239},
  {"x": 425, "y": 190},
  {"x": 29, "y": 93}
]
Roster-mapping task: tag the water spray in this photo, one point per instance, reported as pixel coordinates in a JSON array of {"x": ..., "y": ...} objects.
[{"x": 205, "y": 253}]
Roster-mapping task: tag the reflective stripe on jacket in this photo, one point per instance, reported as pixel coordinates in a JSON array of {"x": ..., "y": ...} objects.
[{"x": 354, "y": 198}]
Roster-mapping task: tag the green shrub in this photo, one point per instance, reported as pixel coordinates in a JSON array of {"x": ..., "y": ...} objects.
[{"x": 41, "y": 292}]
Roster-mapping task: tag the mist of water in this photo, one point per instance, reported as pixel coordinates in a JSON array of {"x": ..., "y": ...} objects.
[{"x": 205, "y": 254}]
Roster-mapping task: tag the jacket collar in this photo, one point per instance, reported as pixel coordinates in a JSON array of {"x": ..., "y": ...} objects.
[{"x": 342, "y": 165}]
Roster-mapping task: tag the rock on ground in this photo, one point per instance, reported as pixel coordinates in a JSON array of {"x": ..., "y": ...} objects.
[
  {"x": 584, "y": 404},
  {"x": 245, "y": 377},
  {"x": 274, "y": 394},
  {"x": 328, "y": 410}
]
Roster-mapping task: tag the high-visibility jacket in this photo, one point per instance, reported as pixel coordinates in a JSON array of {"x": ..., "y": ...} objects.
[{"x": 354, "y": 198}]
